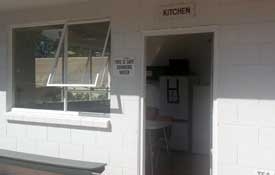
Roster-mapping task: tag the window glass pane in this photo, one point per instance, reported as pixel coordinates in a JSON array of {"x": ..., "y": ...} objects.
[
  {"x": 89, "y": 100},
  {"x": 87, "y": 64},
  {"x": 33, "y": 53},
  {"x": 86, "y": 60}
]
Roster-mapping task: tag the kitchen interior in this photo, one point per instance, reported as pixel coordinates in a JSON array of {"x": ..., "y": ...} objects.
[{"x": 178, "y": 104}]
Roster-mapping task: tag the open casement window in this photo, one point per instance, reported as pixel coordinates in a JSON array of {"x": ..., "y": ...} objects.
[
  {"x": 82, "y": 63},
  {"x": 63, "y": 67}
]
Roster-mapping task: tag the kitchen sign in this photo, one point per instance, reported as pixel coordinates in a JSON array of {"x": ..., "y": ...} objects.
[
  {"x": 179, "y": 10},
  {"x": 124, "y": 66}
]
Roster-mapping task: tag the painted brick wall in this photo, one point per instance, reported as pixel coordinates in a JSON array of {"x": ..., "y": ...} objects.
[
  {"x": 117, "y": 148},
  {"x": 245, "y": 74},
  {"x": 246, "y": 102}
]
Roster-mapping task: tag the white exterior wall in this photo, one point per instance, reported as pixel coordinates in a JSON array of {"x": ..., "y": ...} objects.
[{"x": 244, "y": 84}]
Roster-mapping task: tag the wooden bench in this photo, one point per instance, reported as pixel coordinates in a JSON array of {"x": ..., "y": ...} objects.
[{"x": 50, "y": 164}]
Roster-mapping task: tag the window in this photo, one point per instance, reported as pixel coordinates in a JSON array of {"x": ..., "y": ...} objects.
[{"x": 63, "y": 67}]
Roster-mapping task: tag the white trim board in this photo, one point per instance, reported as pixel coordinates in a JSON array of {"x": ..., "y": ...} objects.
[
  {"x": 214, "y": 84},
  {"x": 59, "y": 118},
  {"x": 58, "y": 22}
]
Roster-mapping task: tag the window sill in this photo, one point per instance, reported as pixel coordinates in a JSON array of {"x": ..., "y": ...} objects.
[{"x": 73, "y": 119}]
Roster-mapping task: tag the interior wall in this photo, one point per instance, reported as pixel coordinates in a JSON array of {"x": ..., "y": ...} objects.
[{"x": 197, "y": 48}]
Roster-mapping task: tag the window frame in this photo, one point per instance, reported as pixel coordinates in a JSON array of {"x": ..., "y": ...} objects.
[
  {"x": 12, "y": 28},
  {"x": 64, "y": 41}
]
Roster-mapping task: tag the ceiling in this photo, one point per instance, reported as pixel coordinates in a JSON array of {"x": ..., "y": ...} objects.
[
  {"x": 8, "y": 5},
  {"x": 162, "y": 48}
]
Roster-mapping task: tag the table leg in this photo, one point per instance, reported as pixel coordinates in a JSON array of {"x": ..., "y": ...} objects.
[
  {"x": 151, "y": 153},
  {"x": 166, "y": 139}
]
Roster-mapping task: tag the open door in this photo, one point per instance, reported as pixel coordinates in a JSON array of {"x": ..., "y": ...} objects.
[{"x": 178, "y": 104}]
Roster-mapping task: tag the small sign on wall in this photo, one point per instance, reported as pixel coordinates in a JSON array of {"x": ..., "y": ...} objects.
[
  {"x": 178, "y": 10},
  {"x": 264, "y": 172},
  {"x": 124, "y": 66}
]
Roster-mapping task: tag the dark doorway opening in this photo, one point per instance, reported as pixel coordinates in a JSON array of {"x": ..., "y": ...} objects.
[{"x": 178, "y": 104}]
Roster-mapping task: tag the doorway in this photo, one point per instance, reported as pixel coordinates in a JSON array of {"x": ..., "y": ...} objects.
[{"x": 178, "y": 103}]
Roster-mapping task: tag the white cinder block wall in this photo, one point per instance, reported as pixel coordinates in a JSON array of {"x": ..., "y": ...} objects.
[{"x": 244, "y": 77}]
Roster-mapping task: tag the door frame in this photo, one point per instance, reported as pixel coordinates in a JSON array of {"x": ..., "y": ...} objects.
[{"x": 214, "y": 93}]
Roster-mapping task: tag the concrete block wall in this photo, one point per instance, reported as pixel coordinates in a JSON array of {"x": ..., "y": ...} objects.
[
  {"x": 118, "y": 147},
  {"x": 244, "y": 76},
  {"x": 246, "y": 101}
]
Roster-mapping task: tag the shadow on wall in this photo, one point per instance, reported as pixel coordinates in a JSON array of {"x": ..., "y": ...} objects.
[
  {"x": 3, "y": 61},
  {"x": 117, "y": 109},
  {"x": 247, "y": 81}
]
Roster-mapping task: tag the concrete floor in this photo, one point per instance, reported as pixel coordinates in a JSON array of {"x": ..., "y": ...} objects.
[{"x": 180, "y": 163}]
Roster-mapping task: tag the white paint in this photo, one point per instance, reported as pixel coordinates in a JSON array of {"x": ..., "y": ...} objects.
[
  {"x": 59, "y": 135},
  {"x": 59, "y": 118},
  {"x": 243, "y": 88},
  {"x": 6, "y": 5},
  {"x": 71, "y": 151}
]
